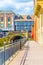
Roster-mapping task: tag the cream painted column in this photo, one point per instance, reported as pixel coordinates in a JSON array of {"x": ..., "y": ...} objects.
[
  {"x": 12, "y": 21},
  {"x": 42, "y": 29},
  {"x": 5, "y": 20},
  {"x": 34, "y": 26},
  {"x": 39, "y": 30}
]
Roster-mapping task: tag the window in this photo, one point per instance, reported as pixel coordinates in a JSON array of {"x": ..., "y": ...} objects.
[
  {"x": 2, "y": 25},
  {"x": 17, "y": 23},
  {"x": 8, "y": 19},
  {"x": 20, "y": 17},
  {"x": 17, "y": 28},
  {"x": 9, "y": 26},
  {"x": 24, "y": 25},
  {"x": 9, "y": 22},
  {"x": 28, "y": 17},
  {"x": 2, "y": 18},
  {"x": 31, "y": 23}
]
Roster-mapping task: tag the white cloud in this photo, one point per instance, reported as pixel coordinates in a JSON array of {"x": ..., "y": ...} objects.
[{"x": 19, "y": 6}]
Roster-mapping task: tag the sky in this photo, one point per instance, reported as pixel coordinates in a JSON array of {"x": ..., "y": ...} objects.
[{"x": 18, "y": 6}]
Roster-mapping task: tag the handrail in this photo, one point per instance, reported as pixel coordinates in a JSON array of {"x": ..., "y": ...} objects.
[{"x": 7, "y": 51}]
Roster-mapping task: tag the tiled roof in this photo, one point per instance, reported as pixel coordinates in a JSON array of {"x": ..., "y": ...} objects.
[{"x": 24, "y": 18}]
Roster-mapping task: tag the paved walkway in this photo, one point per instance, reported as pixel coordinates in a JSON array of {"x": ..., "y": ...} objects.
[{"x": 31, "y": 54}]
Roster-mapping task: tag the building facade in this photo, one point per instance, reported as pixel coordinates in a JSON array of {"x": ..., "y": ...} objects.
[
  {"x": 38, "y": 19},
  {"x": 6, "y": 20},
  {"x": 9, "y": 21},
  {"x": 24, "y": 23}
]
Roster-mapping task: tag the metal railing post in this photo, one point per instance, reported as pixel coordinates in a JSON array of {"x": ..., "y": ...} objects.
[
  {"x": 20, "y": 44},
  {"x": 4, "y": 52},
  {"x": 12, "y": 48},
  {"x": 9, "y": 50}
]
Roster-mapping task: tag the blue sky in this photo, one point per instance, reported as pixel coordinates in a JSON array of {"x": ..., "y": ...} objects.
[{"x": 18, "y": 6}]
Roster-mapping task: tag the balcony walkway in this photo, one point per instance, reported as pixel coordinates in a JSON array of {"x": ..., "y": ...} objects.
[{"x": 31, "y": 54}]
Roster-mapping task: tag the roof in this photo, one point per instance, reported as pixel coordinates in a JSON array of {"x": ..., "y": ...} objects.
[
  {"x": 32, "y": 16},
  {"x": 25, "y": 18},
  {"x": 7, "y": 11}
]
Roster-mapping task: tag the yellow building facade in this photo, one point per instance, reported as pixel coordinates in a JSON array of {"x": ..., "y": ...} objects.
[{"x": 38, "y": 13}]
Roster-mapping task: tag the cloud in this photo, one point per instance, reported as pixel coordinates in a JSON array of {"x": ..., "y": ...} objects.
[{"x": 17, "y": 6}]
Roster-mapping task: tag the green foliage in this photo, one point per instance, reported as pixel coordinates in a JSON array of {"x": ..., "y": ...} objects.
[
  {"x": 2, "y": 40},
  {"x": 6, "y": 39}
]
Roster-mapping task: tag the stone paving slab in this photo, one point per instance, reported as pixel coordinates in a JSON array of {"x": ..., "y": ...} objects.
[
  {"x": 17, "y": 59},
  {"x": 34, "y": 56}
]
